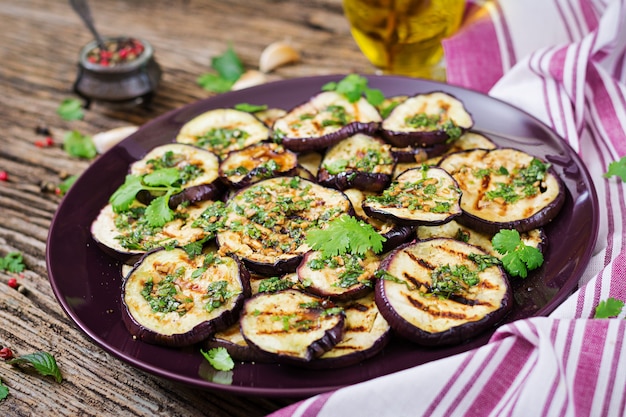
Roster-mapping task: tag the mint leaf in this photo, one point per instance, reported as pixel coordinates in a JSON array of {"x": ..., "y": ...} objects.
[
  {"x": 43, "y": 362},
  {"x": 12, "y": 262},
  {"x": 219, "y": 359},
  {"x": 78, "y": 145},
  {"x": 71, "y": 109},
  {"x": 610, "y": 307},
  {"x": 618, "y": 169}
]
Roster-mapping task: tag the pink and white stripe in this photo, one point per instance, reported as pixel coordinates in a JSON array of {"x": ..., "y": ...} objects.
[{"x": 564, "y": 61}]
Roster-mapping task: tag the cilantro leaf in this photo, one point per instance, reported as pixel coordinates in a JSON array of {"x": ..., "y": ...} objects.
[
  {"x": 219, "y": 358},
  {"x": 4, "y": 391},
  {"x": 610, "y": 307},
  {"x": 43, "y": 362},
  {"x": 78, "y": 145},
  {"x": 228, "y": 67},
  {"x": 71, "y": 109},
  {"x": 518, "y": 258},
  {"x": 345, "y": 234},
  {"x": 214, "y": 83},
  {"x": 65, "y": 185},
  {"x": 353, "y": 87},
  {"x": 158, "y": 212},
  {"x": 618, "y": 169},
  {"x": 12, "y": 262},
  {"x": 161, "y": 177},
  {"x": 506, "y": 241},
  {"x": 124, "y": 196}
]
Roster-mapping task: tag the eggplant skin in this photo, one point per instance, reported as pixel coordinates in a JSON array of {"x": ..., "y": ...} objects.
[
  {"x": 196, "y": 322},
  {"x": 437, "y": 104},
  {"x": 359, "y": 161},
  {"x": 268, "y": 221},
  {"x": 418, "y": 196},
  {"x": 291, "y": 326},
  {"x": 404, "y": 294},
  {"x": 492, "y": 199},
  {"x": 366, "y": 334},
  {"x": 324, "y": 120}
]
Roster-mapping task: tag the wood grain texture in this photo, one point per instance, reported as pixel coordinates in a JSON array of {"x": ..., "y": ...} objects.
[{"x": 39, "y": 45}]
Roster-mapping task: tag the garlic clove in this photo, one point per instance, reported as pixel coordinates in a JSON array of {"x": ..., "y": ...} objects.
[
  {"x": 249, "y": 78},
  {"x": 104, "y": 141},
  {"x": 277, "y": 54}
]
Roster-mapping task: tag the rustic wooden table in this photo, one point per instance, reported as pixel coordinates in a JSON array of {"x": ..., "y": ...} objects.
[{"x": 39, "y": 45}]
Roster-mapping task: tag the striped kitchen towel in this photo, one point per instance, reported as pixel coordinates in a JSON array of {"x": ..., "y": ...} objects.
[{"x": 564, "y": 62}]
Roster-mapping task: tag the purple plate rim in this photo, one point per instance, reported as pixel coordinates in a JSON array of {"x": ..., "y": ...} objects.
[{"x": 578, "y": 184}]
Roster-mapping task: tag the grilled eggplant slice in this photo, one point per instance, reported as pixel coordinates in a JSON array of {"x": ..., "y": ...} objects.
[
  {"x": 197, "y": 171},
  {"x": 267, "y": 222},
  {"x": 394, "y": 234},
  {"x": 128, "y": 235},
  {"x": 359, "y": 161},
  {"x": 505, "y": 189},
  {"x": 254, "y": 163},
  {"x": 223, "y": 130},
  {"x": 173, "y": 299},
  {"x": 426, "y": 195},
  {"x": 231, "y": 339},
  {"x": 366, "y": 334},
  {"x": 453, "y": 230},
  {"x": 291, "y": 326},
  {"x": 324, "y": 120},
  {"x": 341, "y": 277},
  {"x": 426, "y": 119},
  {"x": 433, "y": 293},
  {"x": 469, "y": 140}
]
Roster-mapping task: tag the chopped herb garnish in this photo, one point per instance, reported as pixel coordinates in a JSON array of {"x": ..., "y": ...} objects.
[{"x": 250, "y": 108}]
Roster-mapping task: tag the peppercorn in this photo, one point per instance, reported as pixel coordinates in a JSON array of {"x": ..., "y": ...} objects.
[
  {"x": 12, "y": 283},
  {"x": 42, "y": 130},
  {"x": 6, "y": 353},
  {"x": 4, "y": 176}
]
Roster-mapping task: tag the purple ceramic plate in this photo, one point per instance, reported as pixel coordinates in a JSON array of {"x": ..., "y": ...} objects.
[{"x": 87, "y": 283}]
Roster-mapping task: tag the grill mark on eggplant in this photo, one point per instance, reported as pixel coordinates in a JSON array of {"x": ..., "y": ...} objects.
[{"x": 435, "y": 313}]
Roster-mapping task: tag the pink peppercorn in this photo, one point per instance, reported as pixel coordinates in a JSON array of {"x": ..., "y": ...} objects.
[{"x": 6, "y": 353}]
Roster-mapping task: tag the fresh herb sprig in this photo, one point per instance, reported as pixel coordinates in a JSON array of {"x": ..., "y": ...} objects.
[
  {"x": 71, "y": 109},
  {"x": 617, "y": 169},
  {"x": 163, "y": 180},
  {"x": 518, "y": 258},
  {"x": 12, "y": 262},
  {"x": 345, "y": 234},
  {"x": 611, "y": 307},
  {"x": 219, "y": 358},
  {"x": 228, "y": 69},
  {"x": 43, "y": 362},
  {"x": 353, "y": 87}
]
